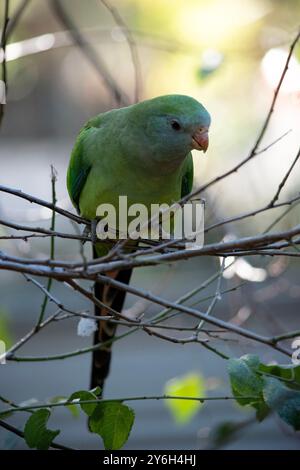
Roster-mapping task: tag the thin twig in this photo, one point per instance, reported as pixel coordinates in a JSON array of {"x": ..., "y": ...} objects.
[
  {"x": 52, "y": 245},
  {"x": 15, "y": 18},
  {"x": 97, "y": 302},
  {"x": 284, "y": 180},
  {"x": 216, "y": 297},
  {"x": 252, "y": 213},
  {"x": 39, "y": 230},
  {"x": 41, "y": 202},
  {"x": 122, "y": 399},
  {"x": 3, "y": 42},
  {"x": 30, "y": 334},
  {"x": 132, "y": 47},
  {"x": 89, "y": 53}
]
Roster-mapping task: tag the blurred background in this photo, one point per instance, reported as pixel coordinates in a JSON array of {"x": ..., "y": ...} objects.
[{"x": 228, "y": 55}]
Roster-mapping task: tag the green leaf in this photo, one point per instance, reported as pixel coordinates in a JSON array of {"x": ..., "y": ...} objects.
[
  {"x": 35, "y": 432},
  {"x": 262, "y": 410},
  {"x": 74, "y": 409},
  {"x": 83, "y": 395},
  {"x": 284, "y": 401},
  {"x": 276, "y": 386},
  {"x": 113, "y": 422},
  {"x": 96, "y": 391},
  {"x": 189, "y": 385},
  {"x": 223, "y": 434},
  {"x": 290, "y": 374},
  {"x": 246, "y": 382},
  {"x": 244, "y": 377},
  {"x": 5, "y": 330}
]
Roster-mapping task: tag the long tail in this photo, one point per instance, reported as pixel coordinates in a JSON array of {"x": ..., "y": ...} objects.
[{"x": 114, "y": 298}]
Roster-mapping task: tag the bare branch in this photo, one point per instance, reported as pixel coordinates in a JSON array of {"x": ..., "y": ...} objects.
[
  {"x": 52, "y": 245},
  {"x": 246, "y": 215},
  {"x": 132, "y": 46},
  {"x": 89, "y": 53},
  {"x": 284, "y": 180},
  {"x": 41, "y": 202},
  {"x": 15, "y": 18},
  {"x": 43, "y": 231},
  {"x": 3, "y": 41}
]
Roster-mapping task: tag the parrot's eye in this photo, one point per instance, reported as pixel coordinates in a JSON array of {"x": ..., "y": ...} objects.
[{"x": 175, "y": 125}]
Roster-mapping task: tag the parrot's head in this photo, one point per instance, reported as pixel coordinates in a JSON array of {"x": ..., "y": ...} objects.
[{"x": 170, "y": 127}]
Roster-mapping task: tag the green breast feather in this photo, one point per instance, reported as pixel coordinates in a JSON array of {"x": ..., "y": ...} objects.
[
  {"x": 188, "y": 176},
  {"x": 81, "y": 164}
]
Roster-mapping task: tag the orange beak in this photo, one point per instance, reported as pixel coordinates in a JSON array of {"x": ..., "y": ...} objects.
[{"x": 200, "y": 139}]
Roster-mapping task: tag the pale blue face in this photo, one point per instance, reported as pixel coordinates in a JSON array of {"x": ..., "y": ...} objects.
[
  {"x": 172, "y": 126},
  {"x": 173, "y": 134}
]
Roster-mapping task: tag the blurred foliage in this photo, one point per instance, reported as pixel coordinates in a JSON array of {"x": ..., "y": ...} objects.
[
  {"x": 223, "y": 434},
  {"x": 189, "y": 385},
  {"x": 5, "y": 330},
  {"x": 266, "y": 388}
]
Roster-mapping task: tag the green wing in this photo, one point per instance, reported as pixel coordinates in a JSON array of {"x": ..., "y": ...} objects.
[
  {"x": 188, "y": 176},
  {"x": 80, "y": 165}
]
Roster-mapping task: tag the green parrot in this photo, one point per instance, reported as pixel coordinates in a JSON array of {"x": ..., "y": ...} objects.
[{"x": 142, "y": 151}]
